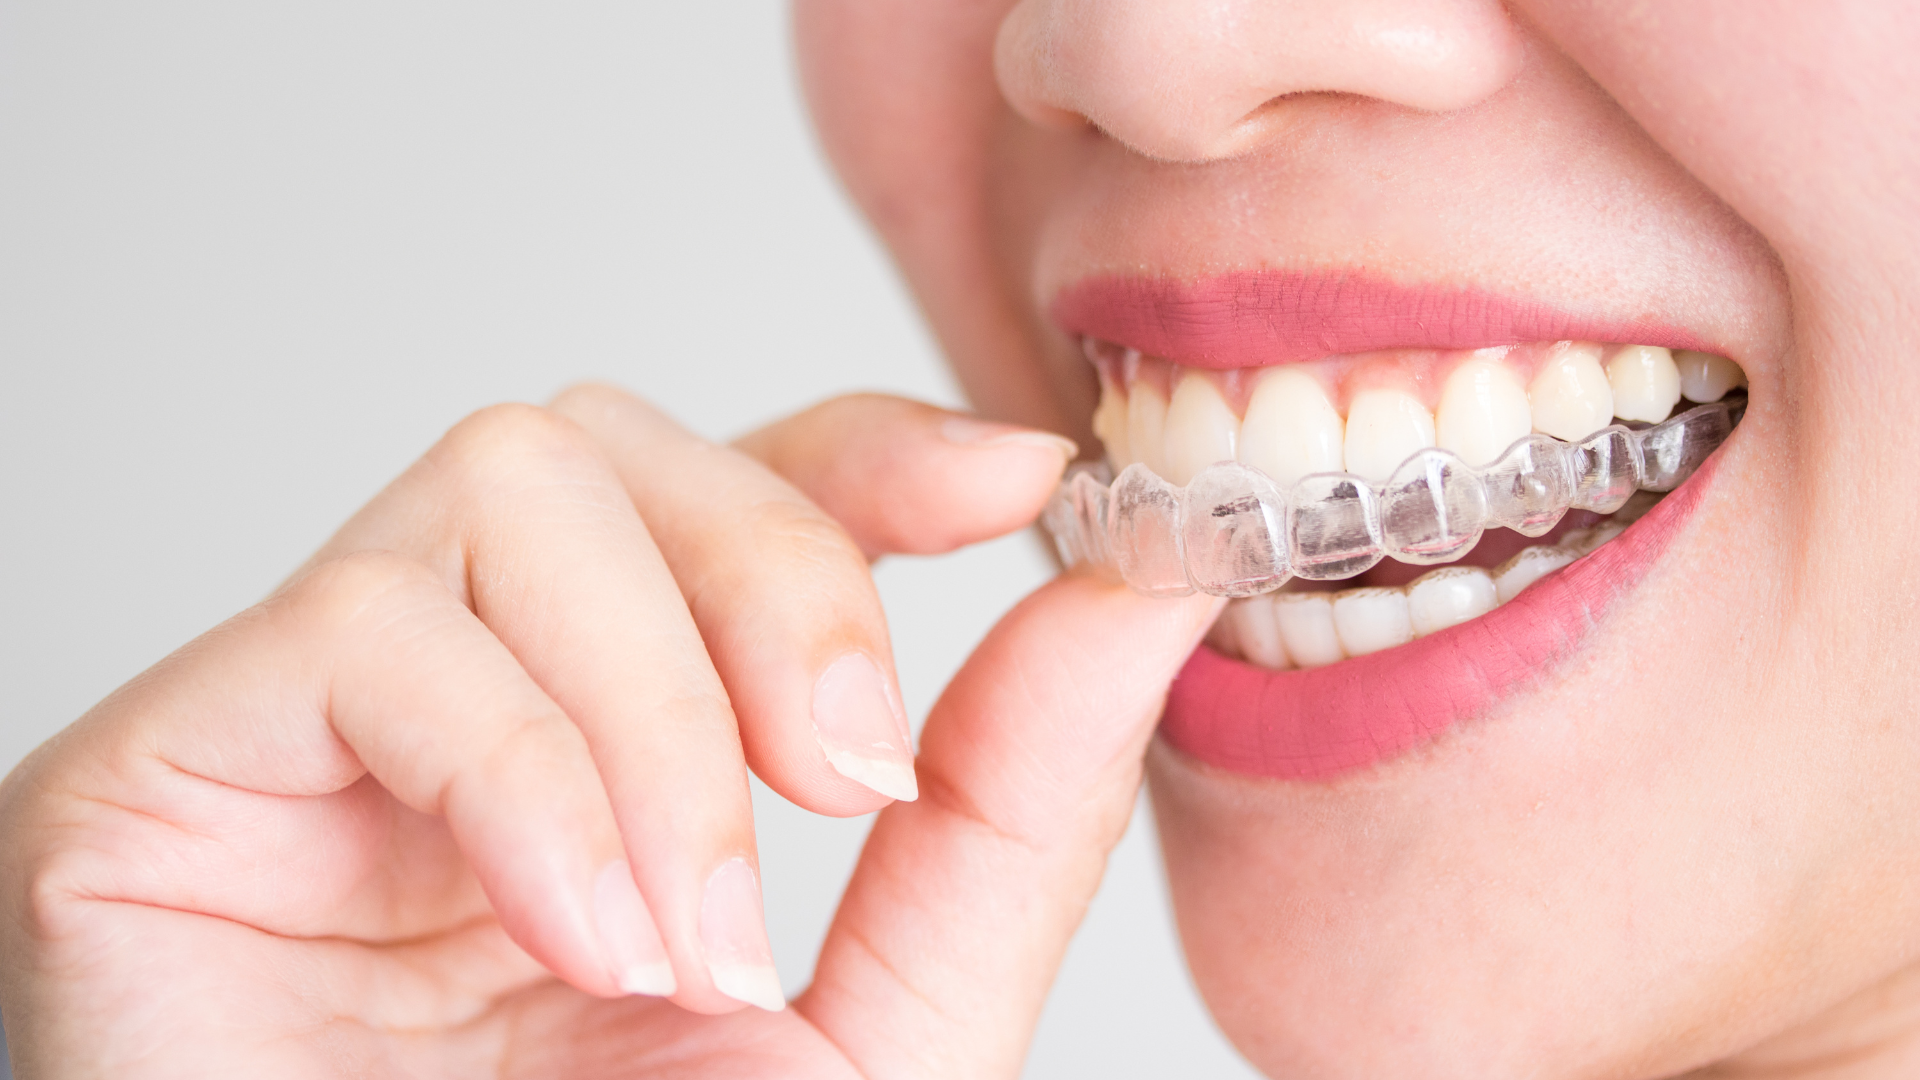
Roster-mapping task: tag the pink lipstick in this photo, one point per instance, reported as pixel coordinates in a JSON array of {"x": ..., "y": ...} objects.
[{"x": 1253, "y": 318}]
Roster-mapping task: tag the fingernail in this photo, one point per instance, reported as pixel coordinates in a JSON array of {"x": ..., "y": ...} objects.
[
  {"x": 855, "y": 721},
  {"x": 733, "y": 927},
  {"x": 971, "y": 431},
  {"x": 635, "y": 954}
]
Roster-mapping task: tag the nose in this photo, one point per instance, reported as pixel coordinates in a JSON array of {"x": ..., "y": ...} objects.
[{"x": 1198, "y": 80}]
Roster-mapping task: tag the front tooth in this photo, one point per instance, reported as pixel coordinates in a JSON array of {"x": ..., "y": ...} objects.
[
  {"x": 1646, "y": 384},
  {"x": 1449, "y": 597},
  {"x": 1255, "y": 632},
  {"x": 1705, "y": 377},
  {"x": 1110, "y": 423},
  {"x": 1201, "y": 428},
  {"x": 1385, "y": 428},
  {"x": 1305, "y": 621},
  {"x": 1222, "y": 637},
  {"x": 1291, "y": 428},
  {"x": 1571, "y": 396},
  {"x": 1483, "y": 410},
  {"x": 1146, "y": 426},
  {"x": 1369, "y": 620},
  {"x": 1527, "y": 567}
]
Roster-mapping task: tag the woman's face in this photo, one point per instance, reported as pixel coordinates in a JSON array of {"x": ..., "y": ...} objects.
[{"x": 1665, "y": 814}]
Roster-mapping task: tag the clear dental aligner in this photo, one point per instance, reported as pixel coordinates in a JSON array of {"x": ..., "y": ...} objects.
[{"x": 1232, "y": 531}]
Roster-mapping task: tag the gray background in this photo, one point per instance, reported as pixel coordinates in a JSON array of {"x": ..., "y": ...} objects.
[{"x": 254, "y": 258}]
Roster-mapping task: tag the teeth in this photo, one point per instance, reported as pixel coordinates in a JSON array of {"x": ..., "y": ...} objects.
[
  {"x": 1312, "y": 629},
  {"x": 1306, "y": 627},
  {"x": 1483, "y": 410},
  {"x": 1449, "y": 597},
  {"x": 1571, "y": 396},
  {"x": 1232, "y": 532},
  {"x": 1255, "y": 634},
  {"x": 1221, "y": 634},
  {"x": 1646, "y": 384},
  {"x": 1385, "y": 428},
  {"x": 1146, "y": 426},
  {"x": 1369, "y": 620},
  {"x": 1207, "y": 502},
  {"x": 1705, "y": 377},
  {"x": 1529, "y": 566},
  {"x": 1200, "y": 428},
  {"x": 1110, "y": 422},
  {"x": 1291, "y": 428}
]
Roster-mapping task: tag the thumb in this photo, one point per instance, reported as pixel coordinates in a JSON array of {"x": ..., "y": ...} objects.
[{"x": 963, "y": 903}]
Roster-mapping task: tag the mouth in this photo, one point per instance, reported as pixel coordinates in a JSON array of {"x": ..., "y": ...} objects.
[{"x": 1410, "y": 530}]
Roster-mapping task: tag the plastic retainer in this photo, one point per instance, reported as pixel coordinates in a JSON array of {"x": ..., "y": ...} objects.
[{"x": 1233, "y": 532}]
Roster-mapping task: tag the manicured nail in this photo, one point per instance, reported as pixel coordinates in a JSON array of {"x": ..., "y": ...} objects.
[
  {"x": 860, "y": 728},
  {"x": 635, "y": 954},
  {"x": 970, "y": 431},
  {"x": 733, "y": 927}
]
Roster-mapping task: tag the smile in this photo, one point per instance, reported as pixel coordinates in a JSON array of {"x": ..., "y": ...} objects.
[{"x": 1533, "y": 474}]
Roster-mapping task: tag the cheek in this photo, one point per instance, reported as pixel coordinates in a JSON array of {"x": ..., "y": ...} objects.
[{"x": 903, "y": 96}]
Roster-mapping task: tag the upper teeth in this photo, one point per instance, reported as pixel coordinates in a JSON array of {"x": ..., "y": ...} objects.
[
  {"x": 1295, "y": 488},
  {"x": 1483, "y": 409},
  {"x": 1646, "y": 383},
  {"x": 1571, "y": 396},
  {"x": 1293, "y": 427},
  {"x": 1384, "y": 428},
  {"x": 1201, "y": 428}
]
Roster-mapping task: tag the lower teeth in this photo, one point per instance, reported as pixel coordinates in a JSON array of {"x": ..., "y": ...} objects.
[
  {"x": 1310, "y": 629},
  {"x": 1233, "y": 532}
]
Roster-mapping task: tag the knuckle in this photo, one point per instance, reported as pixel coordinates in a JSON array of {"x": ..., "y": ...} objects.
[
  {"x": 586, "y": 396},
  {"x": 862, "y": 406},
  {"x": 340, "y": 591},
  {"x": 55, "y": 890},
  {"x": 803, "y": 538},
  {"x": 504, "y": 440}
]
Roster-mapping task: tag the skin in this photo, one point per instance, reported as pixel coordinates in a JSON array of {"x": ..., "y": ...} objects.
[
  {"x": 359, "y": 827},
  {"x": 1688, "y": 848},
  {"x": 1691, "y": 846}
]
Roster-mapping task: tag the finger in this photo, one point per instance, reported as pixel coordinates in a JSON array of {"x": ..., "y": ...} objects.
[
  {"x": 520, "y": 507},
  {"x": 229, "y": 782},
  {"x": 963, "y": 903},
  {"x": 783, "y": 600},
  {"x": 907, "y": 478}
]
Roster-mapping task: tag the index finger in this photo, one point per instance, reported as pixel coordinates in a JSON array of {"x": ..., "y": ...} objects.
[{"x": 908, "y": 478}]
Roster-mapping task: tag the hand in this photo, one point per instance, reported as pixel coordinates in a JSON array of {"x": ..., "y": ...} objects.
[{"x": 477, "y": 774}]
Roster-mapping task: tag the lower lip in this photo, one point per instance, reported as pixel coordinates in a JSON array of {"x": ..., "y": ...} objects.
[{"x": 1322, "y": 722}]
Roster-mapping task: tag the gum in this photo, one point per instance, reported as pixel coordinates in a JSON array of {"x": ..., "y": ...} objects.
[{"x": 1233, "y": 532}]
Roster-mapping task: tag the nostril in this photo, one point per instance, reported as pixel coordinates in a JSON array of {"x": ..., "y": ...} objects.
[{"x": 1055, "y": 118}]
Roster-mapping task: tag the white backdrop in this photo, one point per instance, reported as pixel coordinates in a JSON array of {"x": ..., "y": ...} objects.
[{"x": 254, "y": 258}]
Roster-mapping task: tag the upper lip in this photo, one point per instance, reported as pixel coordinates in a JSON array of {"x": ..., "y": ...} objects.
[{"x": 1259, "y": 317}]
